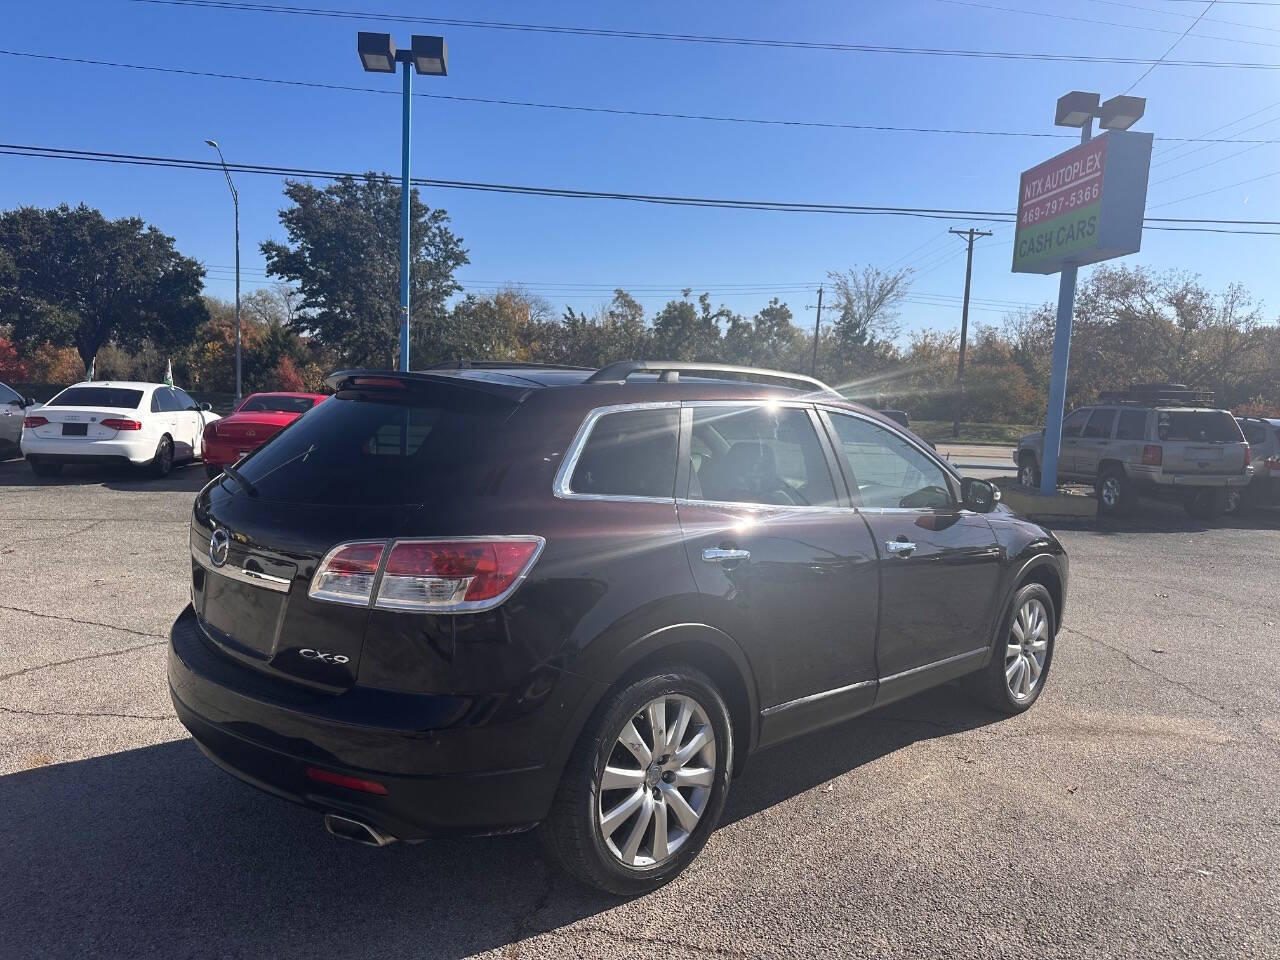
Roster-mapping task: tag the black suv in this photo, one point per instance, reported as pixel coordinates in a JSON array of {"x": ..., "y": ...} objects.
[{"x": 477, "y": 600}]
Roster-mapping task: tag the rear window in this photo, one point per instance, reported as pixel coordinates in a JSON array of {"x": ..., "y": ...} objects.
[
  {"x": 410, "y": 446},
  {"x": 270, "y": 404},
  {"x": 630, "y": 454},
  {"x": 1201, "y": 426},
  {"x": 115, "y": 397}
]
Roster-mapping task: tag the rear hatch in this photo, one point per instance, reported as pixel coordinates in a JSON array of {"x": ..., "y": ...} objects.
[
  {"x": 1204, "y": 442},
  {"x": 398, "y": 458}
]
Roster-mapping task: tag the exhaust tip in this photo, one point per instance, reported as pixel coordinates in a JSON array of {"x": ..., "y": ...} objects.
[{"x": 357, "y": 831}]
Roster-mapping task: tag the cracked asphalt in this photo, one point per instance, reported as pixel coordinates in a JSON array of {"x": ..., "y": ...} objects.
[{"x": 1135, "y": 811}]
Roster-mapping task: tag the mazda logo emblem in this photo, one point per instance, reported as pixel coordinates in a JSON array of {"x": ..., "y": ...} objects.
[{"x": 219, "y": 544}]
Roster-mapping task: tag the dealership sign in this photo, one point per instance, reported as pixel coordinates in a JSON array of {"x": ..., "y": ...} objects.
[{"x": 1083, "y": 206}]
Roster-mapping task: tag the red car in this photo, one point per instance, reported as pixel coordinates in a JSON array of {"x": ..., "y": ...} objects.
[{"x": 259, "y": 417}]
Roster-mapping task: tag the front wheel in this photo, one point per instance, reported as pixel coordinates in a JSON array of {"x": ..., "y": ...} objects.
[
  {"x": 1028, "y": 472},
  {"x": 645, "y": 785},
  {"x": 1018, "y": 671}
]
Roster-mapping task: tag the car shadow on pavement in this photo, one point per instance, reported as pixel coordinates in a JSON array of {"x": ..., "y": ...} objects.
[
  {"x": 187, "y": 477},
  {"x": 156, "y": 852}
]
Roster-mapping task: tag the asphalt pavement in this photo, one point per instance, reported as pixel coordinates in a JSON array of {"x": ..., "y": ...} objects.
[{"x": 1134, "y": 811}]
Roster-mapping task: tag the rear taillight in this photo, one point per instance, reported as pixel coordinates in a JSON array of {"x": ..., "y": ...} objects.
[
  {"x": 432, "y": 576},
  {"x": 117, "y": 423},
  {"x": 1273, "y": 463},
  {"x": 348, "y": 572},
  {"x": 32, "y": 422},
  {"x": 1152, "y": 455},
  {"x": 1248, "y": 454}
]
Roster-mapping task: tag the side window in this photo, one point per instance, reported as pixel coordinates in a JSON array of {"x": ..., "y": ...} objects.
[
  {"x": 1072, "y": 426},
  {"x": 184, "y": 400},
  {"x": 1099, "y": 425},
  {"x": 1254, "y": 432},
  {"x": 1133, "y": 425},
  {"x": 168, "y": 401},
  {"x": 887, "y": 470},
  {"x": 758, "y": 454},
  {"x": 630, "y": 454},
  {"x": 8, "y": 396},
  {"x": 156, "y": 404}
]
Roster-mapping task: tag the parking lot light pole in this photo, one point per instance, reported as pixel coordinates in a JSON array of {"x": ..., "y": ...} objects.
[
  {"x": 1075, "y": 109},
  {"x": 235, "y": 202},
  {"x": 427, "y": 55}
]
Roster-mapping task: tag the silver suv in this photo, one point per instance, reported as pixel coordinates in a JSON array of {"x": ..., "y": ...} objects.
[
  {"x": 1132, "y": 448},
  {"x": 1263, "y": 434}
]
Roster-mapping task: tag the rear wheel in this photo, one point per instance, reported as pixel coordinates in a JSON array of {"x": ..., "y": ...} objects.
[
  {"x": 1114, "y": 490},
  {"x": 43, "y": 468},
  {"x": 646, "y": 783},
  {"x": 1018, "y": 671},
  {"x": 162, "y": 463},
  {"x": 1028, "y": 472},
  {"x": 1207, "y": 503}
]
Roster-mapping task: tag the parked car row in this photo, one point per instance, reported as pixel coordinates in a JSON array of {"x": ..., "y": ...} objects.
[
  {"x": 148, "y": 425},
  {"x": 1149, "y": 444}
]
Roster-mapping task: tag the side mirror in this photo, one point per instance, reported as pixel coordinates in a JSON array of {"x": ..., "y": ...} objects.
[
  {"x": 206, "y": 407},
  {"x": 980, "y": 496},
  {"x": 28, "y": 402}
]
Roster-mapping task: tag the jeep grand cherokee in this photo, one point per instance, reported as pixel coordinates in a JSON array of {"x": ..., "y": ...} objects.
[{"x": 486, "y": 599}]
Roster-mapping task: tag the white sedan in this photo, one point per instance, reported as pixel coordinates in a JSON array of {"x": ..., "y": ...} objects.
[{"x": 144, "y": 424}]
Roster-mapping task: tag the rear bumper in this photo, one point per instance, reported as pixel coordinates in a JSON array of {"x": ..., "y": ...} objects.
[
  {"x": 219, "y": 453},
  {"x": 76, "y": 450},
  {"x": 1155, "y": 477},
  {"x": 268, "y": 733}
]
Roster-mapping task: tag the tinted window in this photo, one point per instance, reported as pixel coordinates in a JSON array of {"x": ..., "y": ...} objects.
[
  {"x": 1072, "y": 426},
  {"x": 183, "y": 399},
  {"x": 630, "y": 454},
  {"x": 1133, "y": 425},
  {"x": 8, "y": 396},
  {"x": 758, "y": 454},
  {"x": 1254, "y": 431},
  {"x": 414, "y": 446},
  {"x": 116, "y": 397},
  {"x": 1099, "y": 424},
  {"x": 168, "y": 402},
  {"x": 887, "y": 470},
  {"x": 267, "y": 403},
  {"x": 1202, "y": 426}
]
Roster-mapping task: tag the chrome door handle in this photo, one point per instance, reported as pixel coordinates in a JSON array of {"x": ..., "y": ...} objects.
[
  {"x": 900, "y": 548},
  {"x": 721, "y": 555}
]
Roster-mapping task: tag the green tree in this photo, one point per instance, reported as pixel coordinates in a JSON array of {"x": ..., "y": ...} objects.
[
  {"x": 344, "y": 256},
  {"x": 865, "y": 305},
  {"x": 687, "y": 331},
  {"x": 76, "y": 278}
]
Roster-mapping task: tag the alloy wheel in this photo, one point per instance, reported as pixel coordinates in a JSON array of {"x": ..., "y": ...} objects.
[
  {"x": 1027, "y": 649},
  {"x": 656, "y": 781},
  {"x": 1111, "y": 492},
  {"x": 1027, "y": 476}
]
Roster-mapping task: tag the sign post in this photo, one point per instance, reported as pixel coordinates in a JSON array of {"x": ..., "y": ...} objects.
[{"x": 1083, "y": 206}]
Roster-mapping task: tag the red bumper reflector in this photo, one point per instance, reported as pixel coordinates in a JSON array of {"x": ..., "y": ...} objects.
[{"x": 351, "y": 783}]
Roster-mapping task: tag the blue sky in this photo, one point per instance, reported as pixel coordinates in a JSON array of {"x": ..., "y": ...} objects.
[{"x": 574, "y": 251}]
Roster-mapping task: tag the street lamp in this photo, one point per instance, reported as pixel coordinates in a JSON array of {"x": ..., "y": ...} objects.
[
  {"x": 1075, "y": 109},
  {"x": 235, "y": 201},
  {"x": 429, "y": 57}
]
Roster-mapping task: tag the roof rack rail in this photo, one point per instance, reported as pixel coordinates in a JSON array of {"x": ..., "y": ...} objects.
[
  {"x": 1172, "y": 394},
  {"x": 464, "y": 364},
  {"x": 669, "y": 371}
]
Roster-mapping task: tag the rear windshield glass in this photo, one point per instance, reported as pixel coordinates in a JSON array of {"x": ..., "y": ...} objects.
[
  {"x": 381, "y": 449},
  {"x": 270, "y": 404},
  {"x": 116, "y": 397},
  {"x": 1203, "y": 426}
]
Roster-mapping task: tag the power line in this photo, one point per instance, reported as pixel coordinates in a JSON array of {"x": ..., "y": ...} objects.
[
  {"x": 1190, "y": 27},
  {"x": 1202, "y": 166},
  {"x": 780, "y": 206},
  {"x": 1188, "y": 16},
  {"x": 701, "y": 38},
  {"x": 1205, "y": 193}
]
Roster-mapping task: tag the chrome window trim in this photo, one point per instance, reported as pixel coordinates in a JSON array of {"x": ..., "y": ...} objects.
[
  {"x": 929, "y": 454},
  {"x": 560, "y": 486},
  {"x": 761, "y": 507},
  {"x": 977, "y": 651},
  {"x": 252, "y": 577},
  {"x": 813, "y": 697}
]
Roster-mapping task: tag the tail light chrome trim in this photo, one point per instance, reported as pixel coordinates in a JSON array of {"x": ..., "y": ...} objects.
[{"x": 376, "y": 600}]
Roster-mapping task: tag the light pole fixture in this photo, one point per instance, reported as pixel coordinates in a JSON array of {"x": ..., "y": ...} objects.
[
  {"x": 428, "y": 56},
  {"x": 235, "y": 201}
]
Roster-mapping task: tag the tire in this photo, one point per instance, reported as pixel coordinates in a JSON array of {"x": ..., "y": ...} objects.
[
  {"x": 1114, "y": 491},
  {"x": 162, "y": 463},
  {"x": 1028, "y": 471},
  {"x": 1207, "y": 503},
  {"x": 42, "y": 468},
  {"x": 995, "y": 685},
  {"x": 574, "y": 834}
]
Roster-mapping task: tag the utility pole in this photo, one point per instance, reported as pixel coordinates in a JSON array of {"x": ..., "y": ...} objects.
[
  {"x": 970, "y": 234},
  {"x": 817, "y": 328}
]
